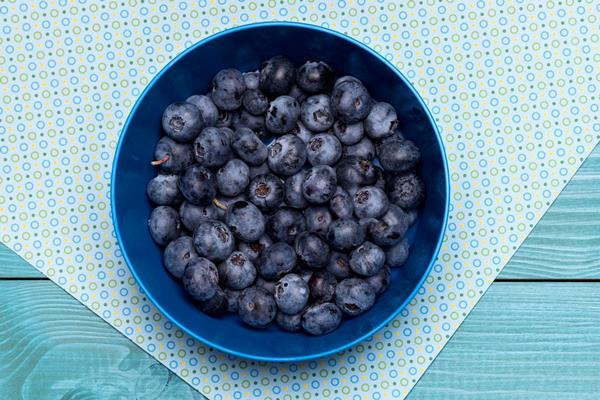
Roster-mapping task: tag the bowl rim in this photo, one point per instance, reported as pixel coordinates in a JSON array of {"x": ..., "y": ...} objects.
[{"x": 421, "y": 103}]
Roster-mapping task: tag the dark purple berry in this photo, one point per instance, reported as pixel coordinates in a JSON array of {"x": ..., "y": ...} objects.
[
  {"x": 178, "y": 254},
  {"x": 164, "y": 225}
]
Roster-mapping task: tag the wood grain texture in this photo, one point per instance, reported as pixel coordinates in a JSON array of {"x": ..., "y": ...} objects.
[
  {"x": 13, "y": 266},
  {"x": 522, "y": 341},
  {"x": 52, "y": 347},
  {"x": 565, "y": 244}
]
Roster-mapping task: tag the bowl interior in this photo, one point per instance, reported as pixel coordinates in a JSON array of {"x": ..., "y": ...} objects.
[{"x": 191, "y": 73}]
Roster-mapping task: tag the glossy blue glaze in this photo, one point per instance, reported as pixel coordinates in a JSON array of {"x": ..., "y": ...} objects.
[{"x": 190, "y": 73}]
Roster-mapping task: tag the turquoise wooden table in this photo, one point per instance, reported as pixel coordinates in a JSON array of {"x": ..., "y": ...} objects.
[{"x": 534, "y": 335}]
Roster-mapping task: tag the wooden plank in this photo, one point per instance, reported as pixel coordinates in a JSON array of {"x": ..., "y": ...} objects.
[
  {"x": 52, "y": 347},
  {"x": 13, "y": 266},
  {"x": 564, "y": 244},
  {"x": 522, "y": 341}
]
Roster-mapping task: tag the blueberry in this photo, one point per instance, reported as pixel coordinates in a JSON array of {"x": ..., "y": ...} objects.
[
  {"x": 293, "y": 190},
  {"x": 370, "y": 202},
  {"x": 367, "y": 259},
  {"x": 228, "y": 86},
  {"x": 354, "y": 296},
  {"x": 164, "y": 225},
  {"x": 208, "y": 110},
  {"x": 282, "y": 115},
  {"x": 277, "y": 76},
  {"x": 191, "y": 215},
  {"x": 285, "y": 224},
  {"x": 228, "y": 132},
  {"x": 177, "y": 255},
  {"x": 319, "y": 184},
  {"x": 304, "y": 273},
  {"x": 198, "y": 185},
  {"x": 323, "y": 149},
  {"x": 380, "y": 281},
  {"x": 277, "y": 260},
  {"x": 243, "y": 118},
  {"x": 315, "y": 77},
  {"x": 233, "y": 177},
  {"x": 251, "y": 79},
  {"x": 266, "y": 191},
  {"x": 172, "y": 157},
  {"x": 318, "y": 219},
  {"x": 348, "y": 134},
  {"x": 397, "y": 255},
  {"x": 320, "y": 319},
  {"x": 322, "y": 286},
  {"x": 297, "y": 93},
  {"x": 363, "y": 149},
  {"x": 353, "y": 172},
  {"x": 341, "y": 203},
  {"x": 287, "y": 155},
  {"x": 182, "y": 121},
  {"x": 382, "y": 121},
  {"x": 289, "y": 323},
  {"x": 316, "y": 113},
  {"x": 291, "y": 294},
  {"x": 257, "y": 307},
  {"x": 211, "y": 148},
  {"x": 397, "y": 155},
  {"x": 366, "y": 223},
  {"x": 253, "y": 250},
  {"x": 311, "y": 250},
  {"x": 411, "y": 215},
  {"x": 345, "y": 234},
  {"x": 216, "y": 305},
  {"x": 237, "y": 272},
  {"x": 249, "y": 147},
  {"x": 264, "y": 284},
  {"x": 261, "y": 169},
  {"x": 255, "y": 102},
  {"x": 338, "y": 265},
  {"x": 224, "y": 119},
  {"x": 301, "y": 131},
  {"x": 406, "y": 190},
  {"x": 201, "y": 279},
  {"x": 346, "y": 78},
  {"x": 390, "y": 228},
  {"x": 351, "y": 101},
  {"x": 162, "y": 190},
  {"x": 233, "y": 297},
  {"x": 213, "y": 240},
  {"x": 245, "y": 221}
]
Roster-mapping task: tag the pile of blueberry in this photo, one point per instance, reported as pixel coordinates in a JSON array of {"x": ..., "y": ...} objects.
[{"x": 301, "y": 231}]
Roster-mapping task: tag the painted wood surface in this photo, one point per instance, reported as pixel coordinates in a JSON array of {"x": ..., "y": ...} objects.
[
  {"x": 565, "y": 244},
  {"x": 52, "y": 347},
  {"x": 523, "y": 341},
  {"x": 12, "y": 266}
]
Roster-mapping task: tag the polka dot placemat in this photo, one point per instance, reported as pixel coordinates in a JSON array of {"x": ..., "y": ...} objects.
[{"x": 512, "y": 85}]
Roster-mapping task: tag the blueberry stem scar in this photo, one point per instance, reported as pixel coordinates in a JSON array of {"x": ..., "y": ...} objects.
[{"x": 161, "y": 161}]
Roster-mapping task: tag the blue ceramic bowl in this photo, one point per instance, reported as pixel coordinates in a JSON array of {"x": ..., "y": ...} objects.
[{"x": 191, "y": 73}]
